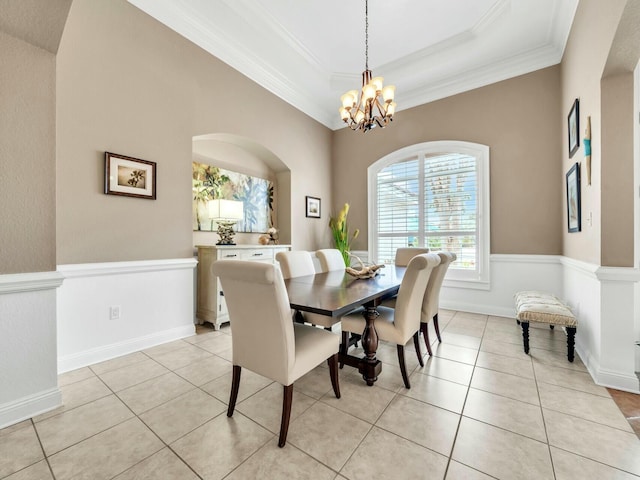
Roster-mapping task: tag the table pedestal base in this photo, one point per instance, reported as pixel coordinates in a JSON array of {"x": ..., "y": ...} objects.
[{"x": 368, "y": 366}]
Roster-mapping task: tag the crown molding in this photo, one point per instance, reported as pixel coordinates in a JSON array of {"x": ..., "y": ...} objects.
[{"x": 310, "y": 87}]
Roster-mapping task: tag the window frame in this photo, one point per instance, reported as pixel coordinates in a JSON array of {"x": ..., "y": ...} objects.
[{"x": 476, "y": 279}]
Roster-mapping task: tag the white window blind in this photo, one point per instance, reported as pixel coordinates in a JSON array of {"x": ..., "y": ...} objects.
[{"x": 451, "y": 207}]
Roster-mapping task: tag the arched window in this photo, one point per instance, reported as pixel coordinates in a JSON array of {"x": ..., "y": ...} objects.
[{"x": 435, "y": 195}]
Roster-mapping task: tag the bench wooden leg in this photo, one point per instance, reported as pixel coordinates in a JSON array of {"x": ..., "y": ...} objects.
[
  {"x": 525, "y": 335},
  {"x": 571, "y": 341}
]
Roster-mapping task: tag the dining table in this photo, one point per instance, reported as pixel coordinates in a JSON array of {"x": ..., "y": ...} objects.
[{"x": 337, "y": 293}]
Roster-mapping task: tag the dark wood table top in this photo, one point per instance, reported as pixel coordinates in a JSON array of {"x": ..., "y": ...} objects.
[{"x": 336, "y": 293}]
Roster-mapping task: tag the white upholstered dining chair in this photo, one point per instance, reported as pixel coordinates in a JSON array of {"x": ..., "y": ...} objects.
[
  {"x": 298, "y": 263},
  {"x": 330, "y": 260},
  {"x": 405, "y": 254},
  {"x": 431, "y": 301},
  {"x": 403, "y": 257},
  {"x": 264, "y": 338},
  {"x": 399, "y": 324}
]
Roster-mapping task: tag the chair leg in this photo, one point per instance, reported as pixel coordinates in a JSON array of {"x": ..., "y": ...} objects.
[
  {"x": 286, "y": 414},
  {"x": 416, "y": 342},
  {"x": 344, "y": 346},
  {"x": 403, "y": 368},
  {"x": 333, "y": 371},
  {"x": 425, "y": 333},
  {"x": 437, "y": 327},
  {"x": 235, "y": 386}
]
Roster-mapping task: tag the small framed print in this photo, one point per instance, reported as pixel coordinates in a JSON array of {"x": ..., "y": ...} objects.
[
  {"x": 313, "y": 207},
  {"x": 574, "y": 212},
  {"x": 129, "y": 176},
  {"x": 573, "y": 128}
]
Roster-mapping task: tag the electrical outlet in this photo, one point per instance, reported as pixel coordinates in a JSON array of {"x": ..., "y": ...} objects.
[{"x": 114, "y": 313}]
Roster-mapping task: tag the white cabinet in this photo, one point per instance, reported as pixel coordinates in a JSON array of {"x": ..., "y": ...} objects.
[{"x": 211, "y": 306}]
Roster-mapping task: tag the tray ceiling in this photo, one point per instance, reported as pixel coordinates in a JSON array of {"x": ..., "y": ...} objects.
[{"x": 309, "y": 53}]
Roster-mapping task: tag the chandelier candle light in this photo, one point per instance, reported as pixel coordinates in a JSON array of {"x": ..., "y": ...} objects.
[{"x": 375, "y": 105}]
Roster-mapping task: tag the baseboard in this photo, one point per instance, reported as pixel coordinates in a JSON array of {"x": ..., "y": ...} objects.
[
  {"x": 494, "y": 310},
  {"x": 627, "y": 383},
  {"x": 107, "y": 352},
  {"x": 29, "y": 406}
]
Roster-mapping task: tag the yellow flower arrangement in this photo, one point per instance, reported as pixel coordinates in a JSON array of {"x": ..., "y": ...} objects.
[{"x": 340, "y": 232}]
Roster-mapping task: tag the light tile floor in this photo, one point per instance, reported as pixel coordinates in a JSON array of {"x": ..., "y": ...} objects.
[{"x": 479, "y": 409}]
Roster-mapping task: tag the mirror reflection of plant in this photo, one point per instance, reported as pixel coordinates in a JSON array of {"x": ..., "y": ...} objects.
[
  {"x": 207, "y": 185},
  {"x": 270, "y": 201},
  {"x": 252, "y": 193}
]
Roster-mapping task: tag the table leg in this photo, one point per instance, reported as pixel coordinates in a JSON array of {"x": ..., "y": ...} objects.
[{"x": 370, "y": 367}]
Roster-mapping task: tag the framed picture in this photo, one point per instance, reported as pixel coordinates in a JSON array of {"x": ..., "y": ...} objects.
[
  {"x": 573, "y": 128},
  {"x": 573, "y": 199},
  {"x": 129, "y": 176},
  {"x": 313, "y": 207}
]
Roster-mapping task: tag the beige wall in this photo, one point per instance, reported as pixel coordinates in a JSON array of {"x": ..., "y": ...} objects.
[
  {"x": 516, "y": 118},
  {"x": 617, "y": 171},
  {"x": 27, "y": 157},
  {"x": 129, "y": 85},
  {"x": 585, "y": 56}
]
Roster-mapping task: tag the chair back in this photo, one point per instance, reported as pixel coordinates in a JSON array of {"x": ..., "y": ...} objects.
[
  {"x": 295, "y": 263},
  {"x": 330, "y": 260},
  {"x": 411, "y": 293},
  {"x": 431, "y": 301},
  {"x": 262, "y": 332},
  {"x": 405, "y": 254}
]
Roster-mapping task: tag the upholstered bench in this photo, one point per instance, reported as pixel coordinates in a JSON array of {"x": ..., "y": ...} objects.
[{"x": 541, "y": 307}]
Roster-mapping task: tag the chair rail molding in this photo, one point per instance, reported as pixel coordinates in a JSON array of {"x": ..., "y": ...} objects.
[{"x": 27, "y": 282}]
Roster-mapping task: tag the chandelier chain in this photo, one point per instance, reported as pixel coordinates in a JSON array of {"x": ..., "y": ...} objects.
[{"x": 366, "y": 34}]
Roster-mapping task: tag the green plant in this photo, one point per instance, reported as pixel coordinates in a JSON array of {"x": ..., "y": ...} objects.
[{"x": 340, "y": 232}]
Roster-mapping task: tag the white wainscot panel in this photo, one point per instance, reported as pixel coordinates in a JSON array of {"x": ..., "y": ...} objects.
[
  {"x": 509, "y": 274},
  {"x": 618, "y": 329},
  {"x": 582, "y": 294},
  {"x": 154, "y": 299},
  {"x": 28, "y": 376}
]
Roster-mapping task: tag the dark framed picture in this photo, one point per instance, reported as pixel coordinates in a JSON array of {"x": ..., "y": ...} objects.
[
  {"x": 312, "y": 207},
  {"x": 573, "y": 128},
  {"x": 129, "y": 176},
  {"x": 573, "y": 199}
]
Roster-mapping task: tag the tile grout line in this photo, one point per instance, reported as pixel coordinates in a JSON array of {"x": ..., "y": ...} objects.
[
  {"x": 46, "y": 458},
  {"x": 544, "y": 421},
  {"x": 455, "y": 437}
]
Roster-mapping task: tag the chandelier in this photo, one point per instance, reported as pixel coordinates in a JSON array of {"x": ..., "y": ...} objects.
[{"x": 373, "y": 105}]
